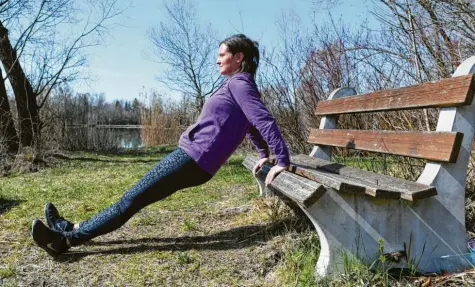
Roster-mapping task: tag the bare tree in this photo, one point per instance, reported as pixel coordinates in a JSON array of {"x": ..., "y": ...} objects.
[
  {"x": 424, "y": 38},
  {"x": 325, "y": 4},
  {"x": 280, "y": 79},
  {"x": 305, "y": 69},
  {"x": 8, "y": 134},
  {"x": 27, "y": 107},
  {"x": 50, "y": 57},
  {"x": 188, "y": 49}
]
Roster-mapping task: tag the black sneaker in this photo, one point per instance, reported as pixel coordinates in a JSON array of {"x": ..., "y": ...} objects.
[
  {"x": 51, "y": 241},
  {"x": 55, "y": 221}
]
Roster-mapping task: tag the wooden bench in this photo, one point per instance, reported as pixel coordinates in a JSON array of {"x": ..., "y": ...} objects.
[{"x": 354, "y": 210}]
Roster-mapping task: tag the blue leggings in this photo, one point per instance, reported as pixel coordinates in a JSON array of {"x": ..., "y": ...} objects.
[{"x": 176, "y": 171}]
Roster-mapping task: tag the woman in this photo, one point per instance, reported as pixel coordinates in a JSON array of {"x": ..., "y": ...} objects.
[{"x": 233, "y": 111}]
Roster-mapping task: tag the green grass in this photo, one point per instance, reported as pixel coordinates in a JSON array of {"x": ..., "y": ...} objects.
[
  {"x": 301, "y": 255},
  {"x": 188, "y": 239}
]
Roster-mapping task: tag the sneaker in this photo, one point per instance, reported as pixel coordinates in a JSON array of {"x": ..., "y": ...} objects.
[
  {"x": 51, "y": 241},
  {"x": 55, "y": 221}
]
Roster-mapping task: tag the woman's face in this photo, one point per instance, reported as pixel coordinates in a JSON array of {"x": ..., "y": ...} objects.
[{"x": 228, "y": 63}]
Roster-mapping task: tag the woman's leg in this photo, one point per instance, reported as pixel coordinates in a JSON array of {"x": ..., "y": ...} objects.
[{"x": 176, "y": 171}]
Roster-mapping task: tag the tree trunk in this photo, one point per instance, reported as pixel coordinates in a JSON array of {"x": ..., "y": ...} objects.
[
  {"x": 27, "y": 108},
  {"x": 7, "y": 128}
]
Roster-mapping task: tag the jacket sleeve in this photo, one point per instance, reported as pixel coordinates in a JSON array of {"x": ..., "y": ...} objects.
[
  {"x": 247, "y": 97},
  {"x": 259, "y": 142}
]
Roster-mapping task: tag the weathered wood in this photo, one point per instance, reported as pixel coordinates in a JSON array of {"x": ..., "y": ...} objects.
[
  {"x": 450, "y": 92},
  {"x": 249, "y": 162},
  {"x": 436, "y": 146},
  {"x": 326, "y": 178},
  {"x": 378, "y": 185},
  {"x": 302, "y": 190},
  {"x": 340, "y": 183},
  {"x": 329, "y": 122}
]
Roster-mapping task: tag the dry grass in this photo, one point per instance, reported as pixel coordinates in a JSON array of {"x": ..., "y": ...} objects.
[{"x": 218, "y": 234}]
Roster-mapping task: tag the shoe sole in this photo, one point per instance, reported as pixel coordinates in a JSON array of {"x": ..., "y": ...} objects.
[{"x": 45, "y": 248}]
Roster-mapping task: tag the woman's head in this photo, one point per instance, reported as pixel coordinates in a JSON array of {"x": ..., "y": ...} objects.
[{"x": 237, "y": 54}]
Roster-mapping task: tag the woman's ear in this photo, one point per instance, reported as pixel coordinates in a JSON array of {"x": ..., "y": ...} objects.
[{"x": 239, "y": 57}]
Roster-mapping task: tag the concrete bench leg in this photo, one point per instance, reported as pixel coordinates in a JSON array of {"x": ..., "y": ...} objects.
[
  {"x": 365, "y": 228},
  {"x": 362, "y": 227}
]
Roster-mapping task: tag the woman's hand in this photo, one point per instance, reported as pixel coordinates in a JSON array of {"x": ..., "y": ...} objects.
[
  {"x": 274, "y": 171},
  {"x": 259, "y": 164}
]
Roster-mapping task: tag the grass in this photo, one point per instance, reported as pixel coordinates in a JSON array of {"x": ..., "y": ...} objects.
[
  {"x": 300, "y": 257},
  {"x": 217, "y": 234}
]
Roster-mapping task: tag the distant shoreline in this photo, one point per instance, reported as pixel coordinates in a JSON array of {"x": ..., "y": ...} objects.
[{"x": 106, "y": 126}]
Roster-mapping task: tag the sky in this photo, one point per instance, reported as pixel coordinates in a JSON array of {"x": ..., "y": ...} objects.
[{"x": 122, "y": 70}]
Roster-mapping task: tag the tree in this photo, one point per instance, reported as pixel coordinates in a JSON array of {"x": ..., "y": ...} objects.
[
  {"x": 53, "y": 57},
  {"x": 7, "y": 127},
  {"x": 280, "y": 78},
  {"x": 8, "y": 11},
  {"x": 27, "y": 108},
  {"x": 425, "y": 39},
  {"x": 188, "y": 49},
  {"x": 305, "y": 69}
]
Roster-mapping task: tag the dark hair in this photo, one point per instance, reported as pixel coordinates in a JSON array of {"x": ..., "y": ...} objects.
[{"x": 250, "y": 49}]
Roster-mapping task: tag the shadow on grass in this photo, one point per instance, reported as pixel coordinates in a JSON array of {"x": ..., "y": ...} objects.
[
  {"x": 159, "y": 152},
  {"x": 7, "y": 204},
  {"x": 90, "y": 159},
  {"x": 235, "y": 238}
]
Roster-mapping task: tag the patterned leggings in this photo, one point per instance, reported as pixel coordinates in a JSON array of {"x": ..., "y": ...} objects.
[{"x": 176, "y": 171}]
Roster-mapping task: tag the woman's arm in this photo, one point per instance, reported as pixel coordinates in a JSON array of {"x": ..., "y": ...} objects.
[
  {"x": 246, "y": 95},
  {"x": 259, "y": 142}
]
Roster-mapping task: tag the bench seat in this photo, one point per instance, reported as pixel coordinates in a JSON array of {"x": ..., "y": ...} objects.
[
  {"x": 300, "y": 189},
  {"x": 357, "y": 180},
  {"x": 313, "y": 175}
]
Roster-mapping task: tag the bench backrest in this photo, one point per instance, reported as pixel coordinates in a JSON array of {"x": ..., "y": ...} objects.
[
  {"x": 455, "y": 127},
  {"x": 436, "y": 146}
]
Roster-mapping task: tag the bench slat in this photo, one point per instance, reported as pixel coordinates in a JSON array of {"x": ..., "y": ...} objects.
[
  {"x": 450, "y": 92},
  {"x": 328, "y": 179},
  {"x": 437, "y": 146},
  {"x": 379, "y": 185},
  {"x": 300, "y": 189},
  {"x": 341, "y": 183}
]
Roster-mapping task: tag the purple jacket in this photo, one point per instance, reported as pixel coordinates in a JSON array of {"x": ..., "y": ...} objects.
[{"x": 233, "y": 111}]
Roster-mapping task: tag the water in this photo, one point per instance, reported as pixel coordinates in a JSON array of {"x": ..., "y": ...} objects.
[
  {"x": 103, "y": 137},
  {"x": 128, "y": 137}
]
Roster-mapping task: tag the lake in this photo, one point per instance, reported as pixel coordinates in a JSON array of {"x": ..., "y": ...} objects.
[
  {"x": 128, "y": 137},
  {"x": 103, "y": 137}
]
